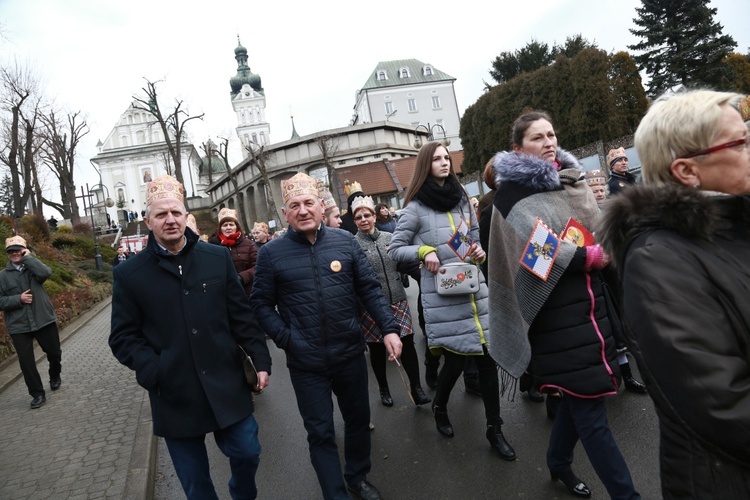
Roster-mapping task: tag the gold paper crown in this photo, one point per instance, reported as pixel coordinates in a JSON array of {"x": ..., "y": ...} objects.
[
  {"x": 328, "y": 201},
  {"x": 192, "y": 224},
  {"x": 164, "y": 187},
  {"x": 14, "y": 241},
  {"x": 595, "y": 177},
  {"x": 260, "y": 226},
  {"x": 616, "y": 154},
  {"x": 228, "y": 213},
  {"x": 354, "y": 187},
  {"x": 745, "y": 108},
  {"x": 297, "y": 185},
  {"x": 363, "y": 202}
]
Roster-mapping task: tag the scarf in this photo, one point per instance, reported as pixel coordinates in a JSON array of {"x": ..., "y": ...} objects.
[
  {"x": 231, "y": 240},
  {"x": 440, "y": 198},
  {"x": 532, "y": 188}
]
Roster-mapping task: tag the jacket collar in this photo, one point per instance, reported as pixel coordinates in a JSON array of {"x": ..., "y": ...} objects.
[
  {"x": 533, "y": 172},
  {"x": 301, "y": 238}
]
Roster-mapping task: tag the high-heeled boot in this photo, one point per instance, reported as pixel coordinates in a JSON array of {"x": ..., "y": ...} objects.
[
  {"x": 499, "y": 443},
  {"x": 630, "y": 381},
  {"x": 420, "y": 398},
  {"x": 442, "y": 422},
  {"x": 385, "y": 396}
]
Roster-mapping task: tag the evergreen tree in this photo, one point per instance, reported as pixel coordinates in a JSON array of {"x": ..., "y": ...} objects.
[
  {"x": 681, "y": 44},
  {"x": 6, "y": 195}
]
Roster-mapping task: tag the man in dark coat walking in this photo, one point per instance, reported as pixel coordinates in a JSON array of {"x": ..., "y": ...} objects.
[
  {"x": 179, "y": 313},
  {"x": 307, "y": 287}
]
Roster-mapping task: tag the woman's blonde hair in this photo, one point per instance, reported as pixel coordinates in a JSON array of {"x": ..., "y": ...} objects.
[{"x": 677, "y": 125}]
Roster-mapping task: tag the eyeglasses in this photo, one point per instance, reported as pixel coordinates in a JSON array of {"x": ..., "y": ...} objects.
[
  {"x": 363, "y": 216},
  {"x": 739, "y": 142}
]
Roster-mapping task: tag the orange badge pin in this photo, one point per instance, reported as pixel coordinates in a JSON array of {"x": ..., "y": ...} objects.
[{"x": 335, "y": 266}]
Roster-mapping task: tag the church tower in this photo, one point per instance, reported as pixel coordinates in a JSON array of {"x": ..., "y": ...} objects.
[{"x": 249, "y": 103}]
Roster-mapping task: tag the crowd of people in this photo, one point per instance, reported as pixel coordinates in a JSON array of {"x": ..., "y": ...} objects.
[{"x": 541, "y": 288}]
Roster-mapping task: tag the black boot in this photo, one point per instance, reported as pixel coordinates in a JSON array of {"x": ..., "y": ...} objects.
[
  {"x": 575, "y": 486},
  {"x": 442, "y": 422},
  {"x": 385, "y": 397},
  {"x": 498, "y": 442},
  {"x": 631, "y": 383},
  {"x": 420, "y": 398}
]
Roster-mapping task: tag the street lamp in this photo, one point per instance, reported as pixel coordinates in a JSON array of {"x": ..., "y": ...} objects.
[
  {"x": 108, "y": 202},
  {"x": 430, "y": 136}
]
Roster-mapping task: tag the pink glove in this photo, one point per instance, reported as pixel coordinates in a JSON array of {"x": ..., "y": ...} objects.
[{"x": 596, "y": 259}]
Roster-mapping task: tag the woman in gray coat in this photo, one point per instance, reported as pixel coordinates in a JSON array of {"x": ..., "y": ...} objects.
[
  {"x": 375, "y": 245},
  {"x": 438, "y": 226}
]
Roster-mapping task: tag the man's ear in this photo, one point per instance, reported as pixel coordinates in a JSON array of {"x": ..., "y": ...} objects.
[{"x": 686, "y": 172}]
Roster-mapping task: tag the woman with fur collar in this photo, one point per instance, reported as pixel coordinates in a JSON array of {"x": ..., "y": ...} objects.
[
  {"x": 681, "y": 245},
  {"x": 547, "y": 308},
  {"x": 438, "y": 226}
]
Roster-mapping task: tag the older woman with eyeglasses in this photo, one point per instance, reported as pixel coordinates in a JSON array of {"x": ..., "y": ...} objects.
[{"x": 681, "y": 244}]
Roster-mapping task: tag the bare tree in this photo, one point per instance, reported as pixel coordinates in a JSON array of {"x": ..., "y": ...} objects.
[
  {"x": 60, "y": 141},
  {"x": 20, "y": 97},
  {"x": 172, "y": 124},
  {"x": 222, "y": 151},
  {"x": 328, "y": 144},
  {"x": 258, "y": 157}
]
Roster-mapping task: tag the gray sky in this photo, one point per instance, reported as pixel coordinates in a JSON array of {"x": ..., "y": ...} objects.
[{"x": 312, "y": 57}]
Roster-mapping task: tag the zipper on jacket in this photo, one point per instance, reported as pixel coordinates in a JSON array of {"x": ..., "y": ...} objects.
[{"x": 323, "y": 322}]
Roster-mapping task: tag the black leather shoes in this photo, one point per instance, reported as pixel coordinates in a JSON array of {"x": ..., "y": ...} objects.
[
  {"x": 385, "y": 397},
  {"x": 442, "y": 422},
  {"x": 38, "y": 401},
  {"x": 499, "y": 444},
  {"x": 420, "y": 398},
  {"x": 630, "y": 381},
  {"x": 364, "y": 491},
  {"x": 575, "y": 486},
  {"x": 54, "y": 383}
]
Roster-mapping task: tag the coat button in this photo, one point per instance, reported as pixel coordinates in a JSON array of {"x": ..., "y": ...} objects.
[
  {"x": 194, "y": 331},
  {"x": 186, "y": 292},
  {"x": 203, "y": 372}
]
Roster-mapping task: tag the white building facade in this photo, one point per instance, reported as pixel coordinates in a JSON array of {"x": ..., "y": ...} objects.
[
  {"x": 249, "y": 103},
  {"x": 411, "y": 92}
]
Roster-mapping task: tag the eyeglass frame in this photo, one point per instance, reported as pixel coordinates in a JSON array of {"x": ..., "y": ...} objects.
[
  {"x": 726, "y": 145},
  {"x": 367, "y": 215}
]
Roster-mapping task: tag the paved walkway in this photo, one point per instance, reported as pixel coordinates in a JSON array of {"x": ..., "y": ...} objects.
[{"x": 93, "y": 437}]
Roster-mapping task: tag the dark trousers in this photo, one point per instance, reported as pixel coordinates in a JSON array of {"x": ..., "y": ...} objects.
[
  {"x": 348, "y": 381},
  {"x": 49, "y": 340},
  {"x": 454, "y": 365},
  {"x": 379, "y": 358},
  {"x": 239, "y": 442},
  {"x": 586, "y": 419}
]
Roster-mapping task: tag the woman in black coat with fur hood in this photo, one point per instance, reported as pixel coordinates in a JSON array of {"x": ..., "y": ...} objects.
[{"x": 681, "y": 244}]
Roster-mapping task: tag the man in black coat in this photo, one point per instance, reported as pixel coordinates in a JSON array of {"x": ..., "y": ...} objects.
[
  {"x": 619, "y": 177},
  {"x": 179, "y": 313},
  {"x": 306, "y": 291}
]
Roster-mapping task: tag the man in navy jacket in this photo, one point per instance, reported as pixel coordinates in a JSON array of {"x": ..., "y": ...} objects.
[
  {"x": 306, "y": 292},
  {"x": 178, "y": 314}
]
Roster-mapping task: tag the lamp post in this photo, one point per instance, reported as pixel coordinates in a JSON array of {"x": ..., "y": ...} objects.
[
  {"x": 108, "y": 202},
  {"x": 429, "y": 129}
]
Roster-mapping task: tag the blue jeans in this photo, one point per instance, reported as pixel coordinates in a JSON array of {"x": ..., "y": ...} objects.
[
  {"x": 239, "y": 442},
  {"x": 348, "y": 381},
  {"x": 586, "y": 419}
]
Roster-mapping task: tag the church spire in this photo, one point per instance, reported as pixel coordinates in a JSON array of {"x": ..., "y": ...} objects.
[{"x": 295, "y": 135}]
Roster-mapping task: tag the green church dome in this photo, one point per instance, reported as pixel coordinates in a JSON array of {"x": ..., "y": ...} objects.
[{"x": 244, "y": 75}]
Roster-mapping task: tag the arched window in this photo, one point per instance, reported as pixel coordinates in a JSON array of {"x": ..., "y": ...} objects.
[
  {"x": 427, "y": 70},
  {"x": 404, "y": 72},
  {"x": 382, "y": 75}
]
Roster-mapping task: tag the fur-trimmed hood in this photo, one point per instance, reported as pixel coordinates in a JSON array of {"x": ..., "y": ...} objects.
[
  {"x": 534, "y": 172},
  {"x": 688, "y": 212}
]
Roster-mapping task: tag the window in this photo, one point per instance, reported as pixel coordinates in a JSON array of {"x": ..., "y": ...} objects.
[
  {"x": 262, "y": 137},
  {"x": 382, "y": 75},
  {"x": 376, "y": 156},
  {"x": 412, "y": 105},
  {"x": 255, "y": 138},
  {"x": 427, "y": 71},
  {"x": 360, "y": 158},
  {"x": 388, "y": 108},
  {"x": 435, "y": 102},
  {"x": 404, "y": 73},
  {"x": 342, "y": 162}
]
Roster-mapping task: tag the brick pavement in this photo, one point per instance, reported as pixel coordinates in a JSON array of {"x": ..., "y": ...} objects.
[{"x": 93, "y": 437}]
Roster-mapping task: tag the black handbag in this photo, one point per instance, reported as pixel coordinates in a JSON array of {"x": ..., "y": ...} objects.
[{"x": 251, "y": 374}]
